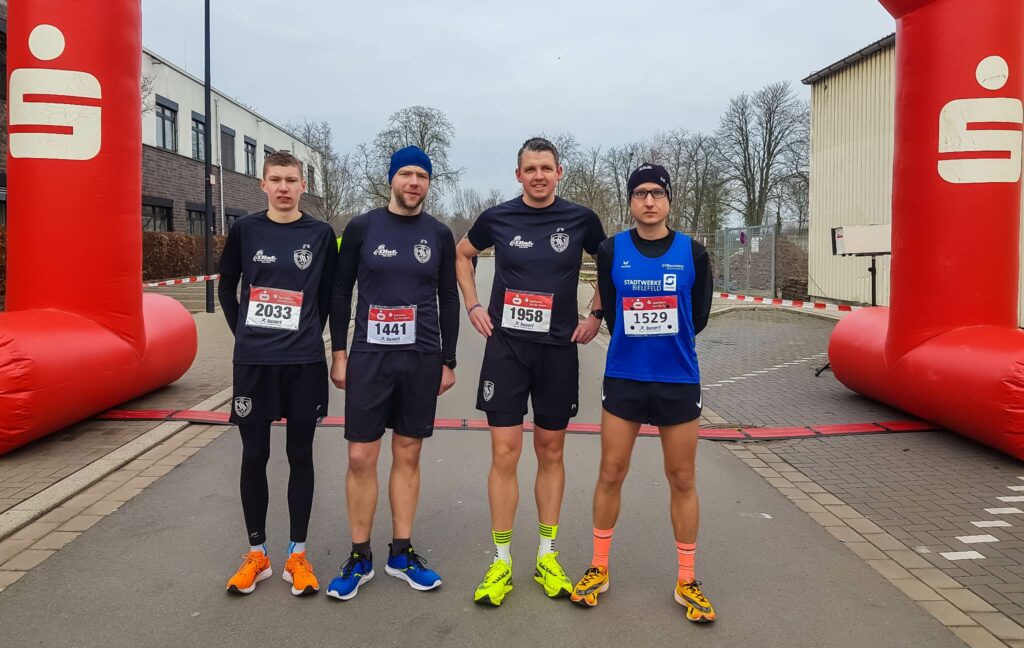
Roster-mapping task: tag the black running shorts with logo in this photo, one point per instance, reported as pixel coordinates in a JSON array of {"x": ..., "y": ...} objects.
[
  {"x": 515, "y": 369},
  {"x": 656, "y": 403},
  {"x": 391, "y": 389},
  {"x": 271, "y": 392}
]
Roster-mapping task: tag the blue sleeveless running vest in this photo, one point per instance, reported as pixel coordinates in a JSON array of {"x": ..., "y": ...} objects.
[{"x": 669, "y": 357}]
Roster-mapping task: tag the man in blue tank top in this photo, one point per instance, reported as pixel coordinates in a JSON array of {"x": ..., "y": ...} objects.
[{"x": 656, "y": 287}]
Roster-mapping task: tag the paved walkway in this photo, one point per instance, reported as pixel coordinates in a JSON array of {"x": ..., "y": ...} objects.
[{"x": 822, "y": 542}]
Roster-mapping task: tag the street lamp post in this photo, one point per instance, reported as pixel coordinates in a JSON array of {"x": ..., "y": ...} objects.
[{"x": 208, "y": 182}]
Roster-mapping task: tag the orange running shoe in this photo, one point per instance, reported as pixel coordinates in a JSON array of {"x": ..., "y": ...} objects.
[
  {"x": 595, "y": 581},
  {"x": 690, "y": 596},
  {"x": 299, "y": 573},
  {"x": 255, "y": 567}
]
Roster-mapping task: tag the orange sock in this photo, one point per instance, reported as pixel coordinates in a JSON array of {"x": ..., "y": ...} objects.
[
  {"x": 686, "y": 552},
  {"x": 602, "y": 546}
]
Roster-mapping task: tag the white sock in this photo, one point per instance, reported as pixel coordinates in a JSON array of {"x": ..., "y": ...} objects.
[
  {"x": 296, "y": 547},
  {"x": 260, "y": 548},
  {"x": 548, "y": 533},
  {"x": 503, "y": 552}
]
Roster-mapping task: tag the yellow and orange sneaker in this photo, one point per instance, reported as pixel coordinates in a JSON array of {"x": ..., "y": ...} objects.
[
  {"x": 698, "y": 608},
  {"x": 299, "y": 573},
  {"x": 255, "y": 567},
  {"x": 594, "y": 582}
]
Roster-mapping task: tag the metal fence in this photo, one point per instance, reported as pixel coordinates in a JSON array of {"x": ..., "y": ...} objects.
[{"x": 759, "y": 260}]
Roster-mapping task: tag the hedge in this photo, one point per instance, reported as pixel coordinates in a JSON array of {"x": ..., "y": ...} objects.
[{"x": 165, "y": 255}]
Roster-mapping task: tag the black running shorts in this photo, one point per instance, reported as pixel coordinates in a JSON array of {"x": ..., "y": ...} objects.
[
  {"x": 515, "y": 369},
  {"x": 272, "y": 392},
  {"x": 391, "y": 389},
  {"x": 656, "y": 403}
]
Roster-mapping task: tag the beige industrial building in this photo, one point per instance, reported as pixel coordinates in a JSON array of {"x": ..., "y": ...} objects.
[{"x": 852, "y": 136}]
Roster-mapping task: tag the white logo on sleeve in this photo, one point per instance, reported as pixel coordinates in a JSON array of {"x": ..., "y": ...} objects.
[
  {"x": 303, "y": 258},
  {"x": 243, "y": 406},
  {"x": 981, "y": 138},
  {"x": 422, "y": 251},
  {"x": 383, "y": 251},
  {"x": 518, "y": 242},
  {"x": 260, "y": 257},
  {"x": 54, "y": 114},
  {"x": 560, "y": 240},
  {"x": 488, "y": 390}
]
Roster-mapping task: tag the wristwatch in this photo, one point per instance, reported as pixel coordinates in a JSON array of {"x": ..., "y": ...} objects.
[
  {"x": 449, "y": 363},
  {"x": 598, "y": 314}
]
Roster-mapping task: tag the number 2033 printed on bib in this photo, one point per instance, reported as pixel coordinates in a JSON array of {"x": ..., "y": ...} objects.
[
  {"x": 645, "y": 316},
  {"x": 274, "y": 308},
  {"x": 391, "y": 325},
  {"x": 527, "y": 311}
]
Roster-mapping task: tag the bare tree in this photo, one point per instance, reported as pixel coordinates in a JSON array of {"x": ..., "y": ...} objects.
[
  {"x": 587, "y": 184},
  {"x": 148, "y": 105},
  {"x": 754, "y": 136},
  {"x": 708, "y": 190},
  {"x": 336, "y": 188},
  {"x": 466, "y": 205},
  {"x": 427, "y": 128},
  {"x": 618, "y": 163},
  {"x": 672, "y": 152}
]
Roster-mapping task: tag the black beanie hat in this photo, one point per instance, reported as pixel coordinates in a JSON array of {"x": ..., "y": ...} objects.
[{"x": 650, "y": 173}]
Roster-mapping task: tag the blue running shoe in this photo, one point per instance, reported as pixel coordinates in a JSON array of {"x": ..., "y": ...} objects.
[
  {"x": 357, "y": 570},
  {"x": 412, "y": 568}
]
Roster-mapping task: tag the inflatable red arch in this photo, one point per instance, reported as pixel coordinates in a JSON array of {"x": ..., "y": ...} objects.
[
  {"x": 948, "y": 348},
  {"x": 78, "y": 335}
]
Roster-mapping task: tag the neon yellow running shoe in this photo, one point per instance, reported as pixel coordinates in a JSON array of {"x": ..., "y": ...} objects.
[
  {"x": 496, "y": 584},
  {"x": 552, "y": 577},
  {"x": 690, "y": 596},
  {"x": 594, "y": 582}
]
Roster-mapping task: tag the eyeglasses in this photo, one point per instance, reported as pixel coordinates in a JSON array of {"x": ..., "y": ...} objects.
[{"x": 641, "y": 194}]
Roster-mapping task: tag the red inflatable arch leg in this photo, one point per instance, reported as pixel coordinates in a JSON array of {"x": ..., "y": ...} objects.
[
  {"x": 948, "y": 349},
  {"x": 79, "y": 336}
]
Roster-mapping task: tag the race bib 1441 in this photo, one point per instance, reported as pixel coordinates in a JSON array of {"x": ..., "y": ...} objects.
[{"x": 391, "y": 325}]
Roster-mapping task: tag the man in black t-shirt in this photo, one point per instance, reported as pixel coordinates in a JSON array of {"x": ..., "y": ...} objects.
[
  {"x": 402, "y": 358},
  {"x": 532, "y": 329},
  {"x": 285, "y": 261}
]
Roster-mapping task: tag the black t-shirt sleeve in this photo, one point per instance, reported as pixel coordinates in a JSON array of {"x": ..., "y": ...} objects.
[
  {"x": 347, "y": 269},
  {"x": 594, "y": 234},
  {"x": 480, "y": 235},
  {"x": 327, "y": 278},
  {"x": 703, "y": 287},
  {"x": 605, "y": 286},
  {"x": 230, "y": 269},
  {"x": 447, "y": 295}
]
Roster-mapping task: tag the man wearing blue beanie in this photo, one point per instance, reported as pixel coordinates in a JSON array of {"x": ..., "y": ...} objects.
[{"x": 402, "y": 359}]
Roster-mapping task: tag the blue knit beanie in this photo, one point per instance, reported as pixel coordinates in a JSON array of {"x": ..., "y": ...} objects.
[{"x": 409, "y": 156}]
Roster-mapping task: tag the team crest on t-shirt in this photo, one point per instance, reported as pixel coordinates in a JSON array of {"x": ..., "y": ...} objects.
[
  {"x": 560, "y": 240},
  {"x": 303, "y": 257},
  {"x": 422, "y": 251}
]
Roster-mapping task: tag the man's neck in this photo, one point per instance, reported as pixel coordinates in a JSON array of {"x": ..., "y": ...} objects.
[
  {"x": 538, "y": 204},
  {"x": 654, "y": 232},
  {"x": 395, "y": 208},
  {"x": 283, "y": 217}
]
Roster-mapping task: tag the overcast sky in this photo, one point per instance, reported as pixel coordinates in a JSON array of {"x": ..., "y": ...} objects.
[{"x": 609, "y": 72}]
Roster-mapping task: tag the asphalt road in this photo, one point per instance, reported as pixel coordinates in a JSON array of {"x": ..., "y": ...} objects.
[{"x": 153, "y": 572}]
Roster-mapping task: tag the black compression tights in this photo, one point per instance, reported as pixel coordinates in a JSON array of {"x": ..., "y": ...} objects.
[{"x": 255, "y": 495}]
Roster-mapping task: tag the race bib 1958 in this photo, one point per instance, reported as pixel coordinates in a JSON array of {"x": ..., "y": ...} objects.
[
  {"x": 527, "y": 311},
  {"x": 391, "y": 325},
  {"x": 274, "y": 308},
  {"x": 650, "y": 315}
]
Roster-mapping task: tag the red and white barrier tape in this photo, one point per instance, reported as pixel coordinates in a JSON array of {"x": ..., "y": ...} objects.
[
  {"x": 175, "y": 282},
  {"x": 791, "y": 303}
]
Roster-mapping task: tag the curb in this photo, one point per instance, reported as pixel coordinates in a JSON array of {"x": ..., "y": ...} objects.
[{"x": 49, "y": 498}]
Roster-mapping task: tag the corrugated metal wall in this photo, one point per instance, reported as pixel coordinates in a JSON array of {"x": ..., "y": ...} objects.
[
  {"x": 851, "y": 173},
  {"x": 851, "y": 176}
]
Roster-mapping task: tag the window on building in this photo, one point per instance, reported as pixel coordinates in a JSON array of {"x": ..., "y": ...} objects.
[
  {"x": 166, "y": 124},
  {"x": 156, "y": 218},
  {"x": 196, "y": 222},
  {"x": 227, "y": 148},
  {"x": 232, "y": 215},
  {"x": 198, "y": 137},
  {"x": 311, "y": 178},
  {"x": 250, "y": 157},
  {"x": 267, "y": 151}
]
